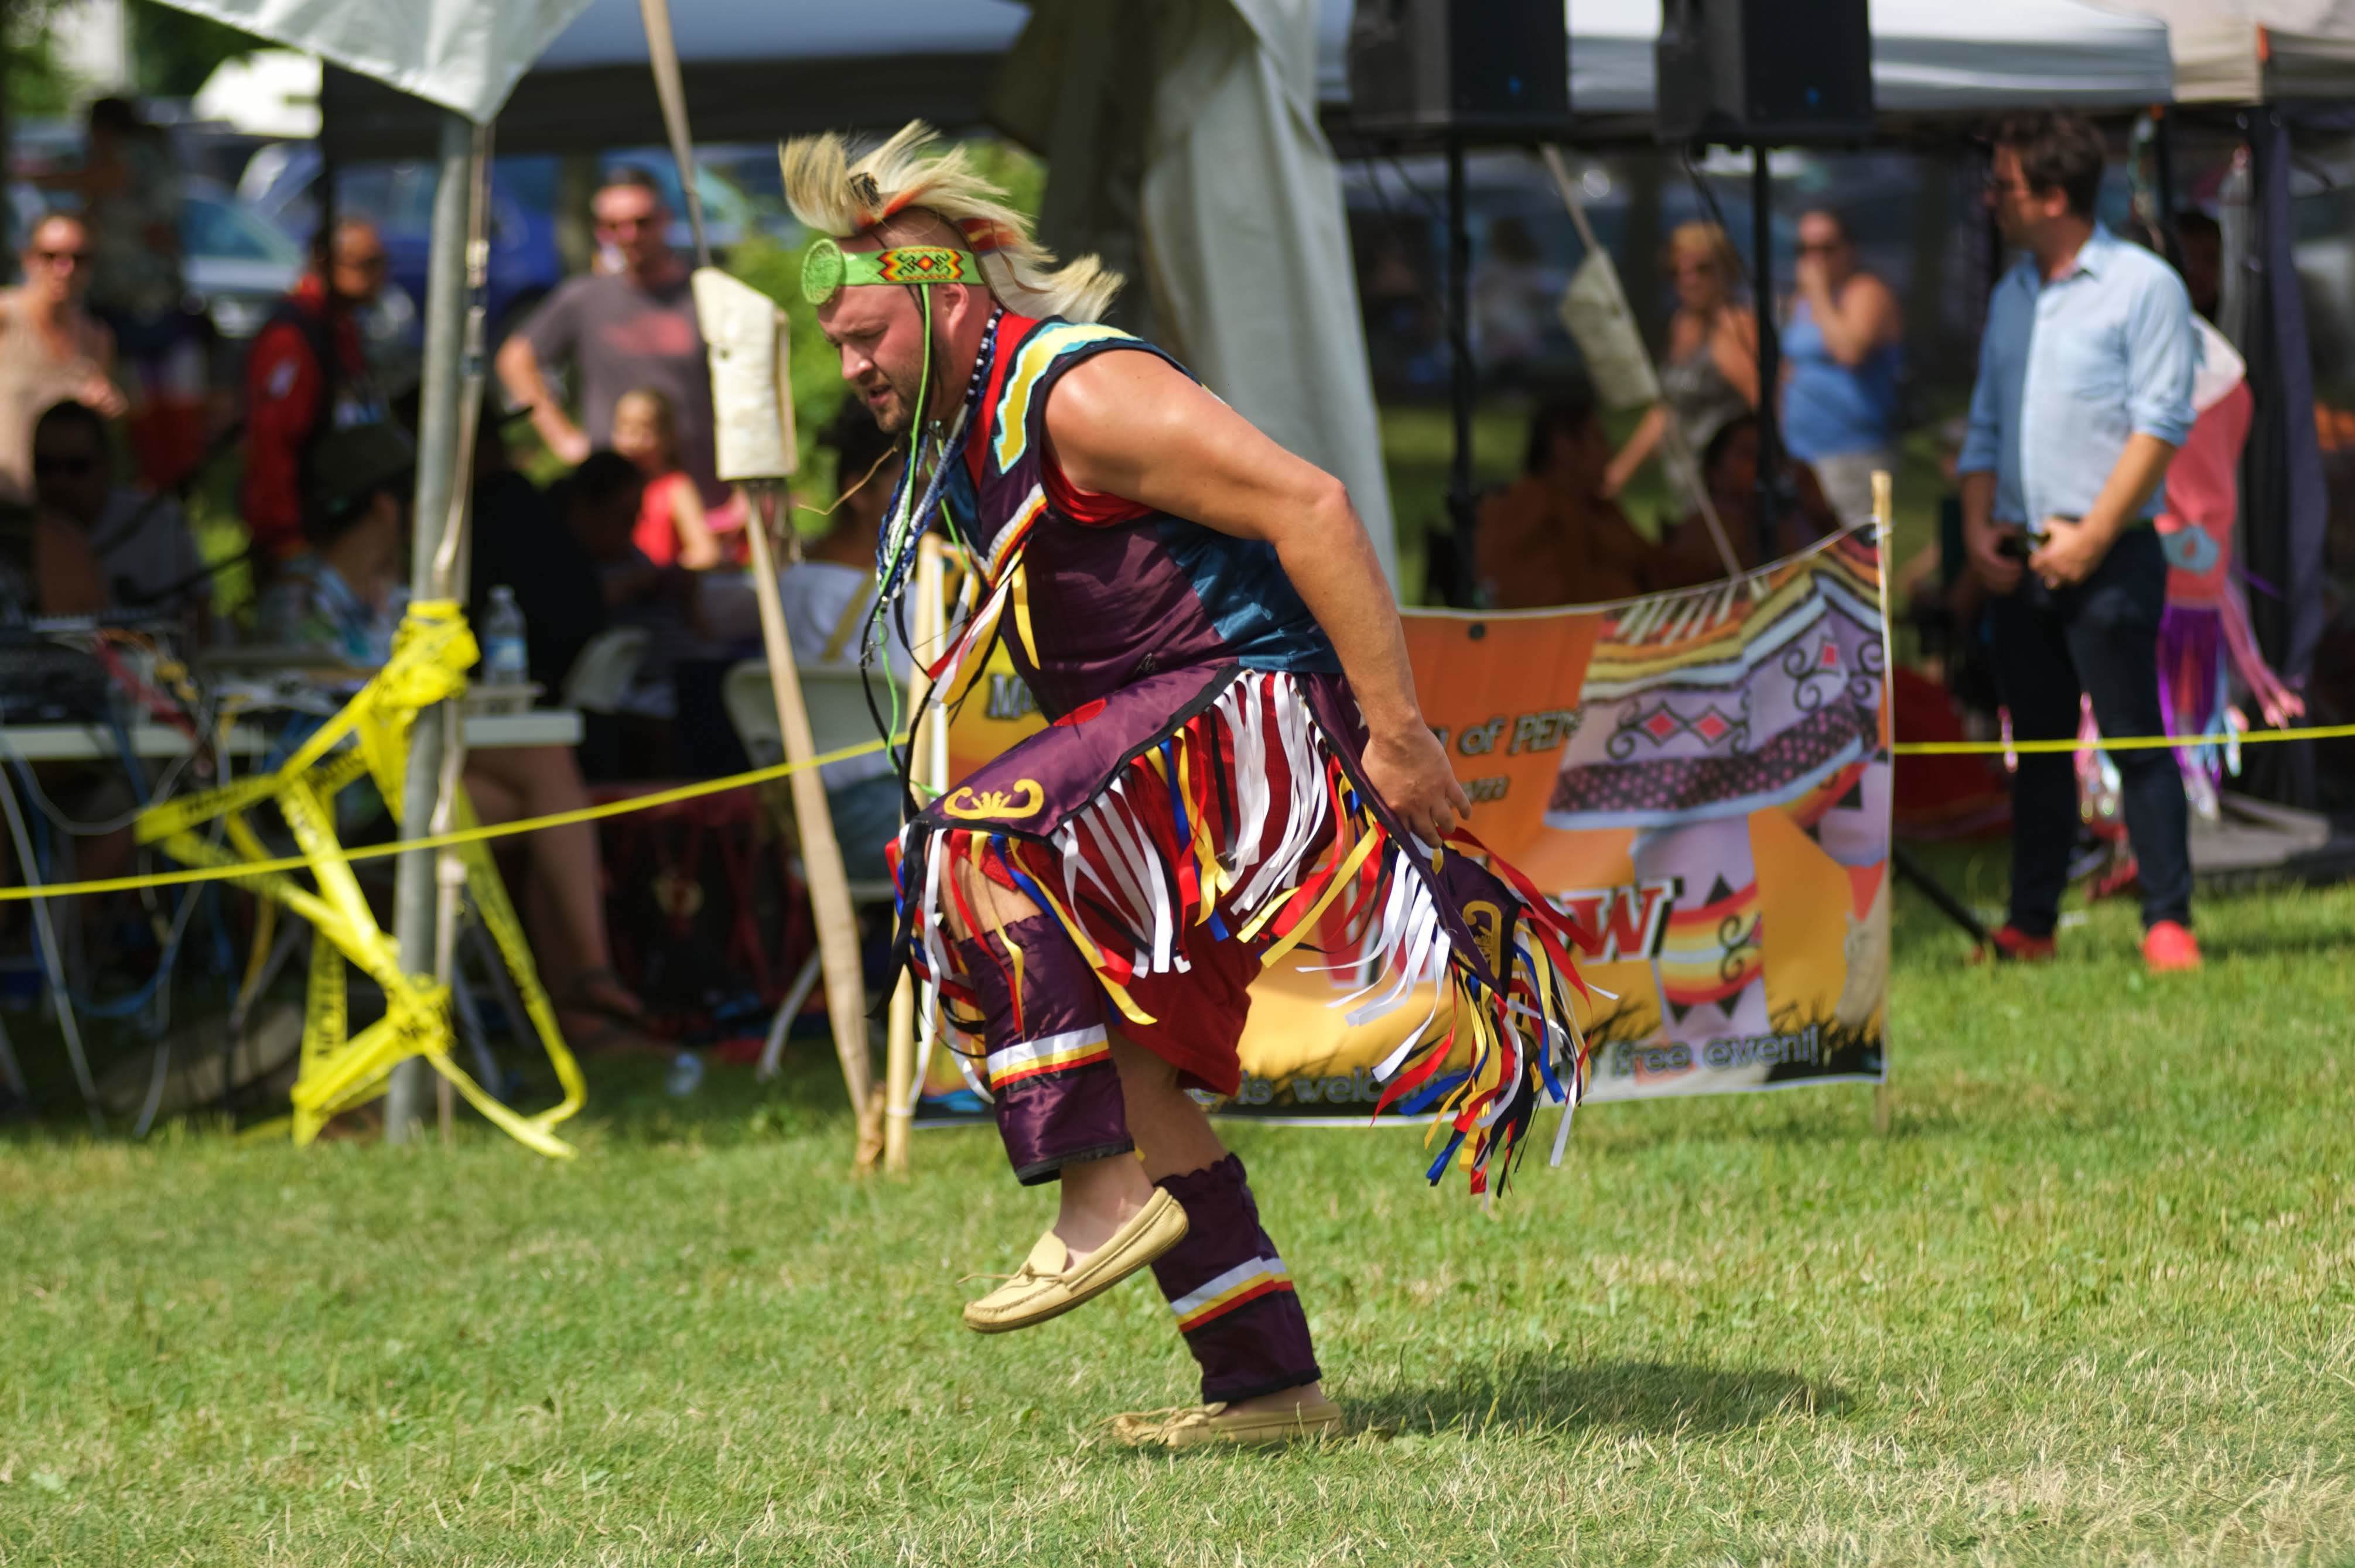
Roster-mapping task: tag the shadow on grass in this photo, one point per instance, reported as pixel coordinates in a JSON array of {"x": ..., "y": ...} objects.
[{"x": 1543, "y": 1393}]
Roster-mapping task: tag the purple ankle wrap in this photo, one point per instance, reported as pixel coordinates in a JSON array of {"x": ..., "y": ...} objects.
[{"x": 1227, "y": 1287}]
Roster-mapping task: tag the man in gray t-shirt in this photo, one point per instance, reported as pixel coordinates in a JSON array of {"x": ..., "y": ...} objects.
[{"x": 629, "y": 328}]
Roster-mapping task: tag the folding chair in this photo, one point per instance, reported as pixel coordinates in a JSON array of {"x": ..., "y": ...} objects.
[{"x": 838, "y": 717}]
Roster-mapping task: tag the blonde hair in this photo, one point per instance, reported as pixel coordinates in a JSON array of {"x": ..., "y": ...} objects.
[
  {"x": 832, "y": 194},
  {"x": 666, "y": 417},
  {"x": 1709, "y": 241}
]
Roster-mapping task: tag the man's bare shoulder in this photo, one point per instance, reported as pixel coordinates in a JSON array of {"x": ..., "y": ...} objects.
[{"x": 1112, "y": 390}]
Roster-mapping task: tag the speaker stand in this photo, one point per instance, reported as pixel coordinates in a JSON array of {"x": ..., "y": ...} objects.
[{"x": 1463, "y": 382}]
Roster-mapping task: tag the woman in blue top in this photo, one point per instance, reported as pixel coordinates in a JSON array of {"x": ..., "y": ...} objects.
[{"x": 1840, "y": 358}]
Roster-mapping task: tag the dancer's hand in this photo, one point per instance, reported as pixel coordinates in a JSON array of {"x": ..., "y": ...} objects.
[{"x": 1408, "y": 768}]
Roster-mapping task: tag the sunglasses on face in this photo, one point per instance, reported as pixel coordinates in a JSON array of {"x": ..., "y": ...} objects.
[{"x": 64, "y": 467}]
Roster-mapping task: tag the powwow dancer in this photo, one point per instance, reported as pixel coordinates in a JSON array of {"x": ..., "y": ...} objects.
[{"x": 1236, "y": 762}]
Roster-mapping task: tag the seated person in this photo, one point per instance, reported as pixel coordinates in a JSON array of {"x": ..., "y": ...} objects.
[
  {"x": 46, "y": 567},
  {"x": 1689, "y": 556},
  {"x": 599, "y": 503},
  {"x": 146, "y": 558},
  {"x": 826, "y": 598},
  {"x": 519, "y": 540},
  {"x": 333, "y": 596},
  {"x": 1554, "y": 537}
]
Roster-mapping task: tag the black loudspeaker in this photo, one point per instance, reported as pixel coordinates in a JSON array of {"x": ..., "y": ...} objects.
[
  {"x": 1491, "y": 68},
  {"x": 1778, "y": 73}
]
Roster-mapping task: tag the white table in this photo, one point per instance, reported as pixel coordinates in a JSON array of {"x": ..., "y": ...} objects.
[{"x": 95, "y": 742}]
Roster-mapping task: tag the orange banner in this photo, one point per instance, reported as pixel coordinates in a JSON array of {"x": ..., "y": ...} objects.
[{"x": 1701, "y": 780}]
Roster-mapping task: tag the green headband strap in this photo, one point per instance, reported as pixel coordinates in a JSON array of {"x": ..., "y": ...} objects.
[{"x": 827, "y": 266}]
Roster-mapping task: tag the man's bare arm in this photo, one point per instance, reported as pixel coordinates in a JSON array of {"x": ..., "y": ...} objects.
[
  {"x": 518, "y": 368},
  {"x": 1131, "y": 424}
]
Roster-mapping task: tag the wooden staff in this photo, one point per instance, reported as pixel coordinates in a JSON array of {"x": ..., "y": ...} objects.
[
  {"x": 760, "y": 457},
  {"x": 829, "y": 885}
]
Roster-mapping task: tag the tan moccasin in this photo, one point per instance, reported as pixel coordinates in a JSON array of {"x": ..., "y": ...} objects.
[
  {"x": 1190, "y": 1426},
  {"x": 1048, "y": 1284}
]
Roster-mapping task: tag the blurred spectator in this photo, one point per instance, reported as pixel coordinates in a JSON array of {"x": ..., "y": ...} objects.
[
  {"x": 519, "y": 540},
  {"x": 336, "y": 597},
  {"x": 1512, "y": 301},
  {"x": 619, "y": 331},
  {"x": 129, "y": 196},
  {"x": 673, "y": 526},
  {"x": 1841, "y": 360},
  {"x": 1710, "y": 376},
  {"x": 1689, "y": 556},
  {"x": 306, "y": 375},
  {"x": 2083, "y": 394},
  {"x": 2202, "y": 239},
  {"x": 148, "y": 559},
  {"x": 52, "y": 348},
  {"x": 600, "y": 502},
  {"x": 46, "y": 564},
  {"x": 1553, "y": 537},
  {"x": 826, "y": 600},
  {"x": 1405, "y": 338}
]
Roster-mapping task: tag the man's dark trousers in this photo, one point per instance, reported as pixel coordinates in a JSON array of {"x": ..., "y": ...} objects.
[{"x": 2099, "y": 638}]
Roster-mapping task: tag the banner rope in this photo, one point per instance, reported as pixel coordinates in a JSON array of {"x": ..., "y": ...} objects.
[
  {"x": 2124, "y": 743},
  {"x": 720, "y": 786}
]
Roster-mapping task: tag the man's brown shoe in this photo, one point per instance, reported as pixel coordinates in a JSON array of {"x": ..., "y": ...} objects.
[
  {"x": 1190, "y": 1426},
  {"x": 1048, "y": 1285}
]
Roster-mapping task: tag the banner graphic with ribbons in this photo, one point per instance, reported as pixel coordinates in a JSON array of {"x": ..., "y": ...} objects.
[{"x": 1699, "y": 780}]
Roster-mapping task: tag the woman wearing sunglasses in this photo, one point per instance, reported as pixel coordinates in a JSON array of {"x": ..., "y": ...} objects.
[
  {"x": 1708, "y": 377},
  {"x": 1842, "y": 359},
  {"x": 52, "y": 348}
]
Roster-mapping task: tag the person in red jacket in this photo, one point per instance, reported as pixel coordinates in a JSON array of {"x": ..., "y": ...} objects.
[{"x": 307, "y": 373}]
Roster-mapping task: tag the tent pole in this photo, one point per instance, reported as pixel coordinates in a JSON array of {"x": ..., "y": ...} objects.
[
  {"x": 437, "y": 480},
  {"x": 1772, "y": 478}
]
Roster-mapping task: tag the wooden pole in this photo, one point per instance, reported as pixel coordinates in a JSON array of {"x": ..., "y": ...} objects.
[
  {"x": 900, "y": 1075},
  {"x": 1883, "y": 514},
  {"x": 829, "y": 885},
  {"x": 741, "y": 458}
]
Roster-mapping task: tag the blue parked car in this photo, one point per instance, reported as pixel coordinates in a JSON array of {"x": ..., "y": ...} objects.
[
  {"x": 279, "y": 182},
  {"x": 526, "y": 261}
]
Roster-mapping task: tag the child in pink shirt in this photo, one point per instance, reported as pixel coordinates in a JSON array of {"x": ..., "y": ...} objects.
[{"x": 674, "y": 527}]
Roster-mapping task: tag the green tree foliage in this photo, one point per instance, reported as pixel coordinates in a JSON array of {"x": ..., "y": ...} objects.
[
  {"x": 174, "y": 52},
  {"x": 37, "y": 83}
]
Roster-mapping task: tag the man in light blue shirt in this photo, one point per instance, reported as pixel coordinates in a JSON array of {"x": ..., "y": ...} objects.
[{"x": 2083, "y": 394}]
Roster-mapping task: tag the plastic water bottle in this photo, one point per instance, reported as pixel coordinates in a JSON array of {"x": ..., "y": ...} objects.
[
  {"x": 685, "y": 1075},
  {"x": 505, "y": 661}
]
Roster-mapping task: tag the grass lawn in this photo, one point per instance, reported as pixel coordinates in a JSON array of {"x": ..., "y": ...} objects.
[{"x": 2090, "y": 1300}]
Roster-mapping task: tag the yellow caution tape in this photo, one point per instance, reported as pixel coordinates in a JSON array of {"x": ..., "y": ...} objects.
[
  {"x": 337, "y": 1071},
  {"x": 2127, "y": 743},
  {"x": 480, "y": 833}
]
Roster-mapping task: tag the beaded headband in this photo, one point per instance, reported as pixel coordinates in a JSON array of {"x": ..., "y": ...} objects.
[{"x": 828, "y": 268}]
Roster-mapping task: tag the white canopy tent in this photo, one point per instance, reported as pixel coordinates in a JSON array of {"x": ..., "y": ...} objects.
[
  {"x": 756, "y": 70},
  {"x": 1929, "y": 57},
  {"x": 2257, "y": 51}
]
